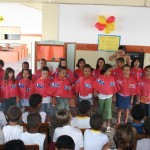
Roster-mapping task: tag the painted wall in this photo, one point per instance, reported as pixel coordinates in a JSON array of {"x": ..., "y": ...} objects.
[{"x": 76, "y": 23}]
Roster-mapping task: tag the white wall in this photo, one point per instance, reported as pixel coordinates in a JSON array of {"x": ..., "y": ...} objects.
[
  {"x": 29, "y": 19},
  {"x": 76, "y": 23}
]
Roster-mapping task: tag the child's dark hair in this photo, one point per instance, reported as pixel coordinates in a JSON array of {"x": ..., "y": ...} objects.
[
  {"x": 45, "y": 69},
  {"x": 63, "y": 117},
  {"x": 30, "y": 73},
  {"x": 84, "y": 106},
  {"x": 123, "y": 48},
  {"x": 14, "y": 145},
  {"x": 79, "y": 61},
  {"x": 96, "y": 121},
  {"x": 65, "y": 142},
  {"x": 125, "y": 137},
  {"x": 147, "y": 67},
  {"x": 97, "y": 66},
  {"x": 25, "y": 63},
  {"x": 34, "y": 120},
  {"x": 146, "y": 126},
  {"x": 138, "y": 112},
  {"x": 87, "y": 66},
  {"x": 60, "y": 60},
  {"x": 120, "y": 59},
  {"x": 43, "y": 60},
  {"x": 7, "y": 71},
  {"x": 126, "y": 65},
  {"x": 2, "y": 62},
  {"x": 62, "y": 68},
  {"x": 13, "y": 113},
  {"x": 34, "y": 100},
  {"x": 105, "y": 68}
]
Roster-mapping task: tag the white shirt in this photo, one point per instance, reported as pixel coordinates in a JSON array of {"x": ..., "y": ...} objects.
[
  {"x": 1, "y": 137},
  {"x": 102, "y": 96},
  {"x": 86, "y": 97},
  {"x": 3, "y": 121},
  {"x": 143, "y": 144},
  {"x": 94, "y": 140},
  {"x": 75, "y": 133},
  {"x": 42, "y": 114},
  {"x": 46, "y": 100},
  {"x": 81, "y": 122},
  {"x": 12, "y": 132},
  {"x": 33, "y": 138}
]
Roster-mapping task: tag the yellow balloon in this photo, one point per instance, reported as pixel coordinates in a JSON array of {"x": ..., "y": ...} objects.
[
  {"x": 111, "y": 26},
  {"x": 102, "y": 19},
  {"x": 107, "y": 31}
]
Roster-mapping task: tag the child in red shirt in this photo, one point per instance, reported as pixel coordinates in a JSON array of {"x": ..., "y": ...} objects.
[
  {"x": 83, "y": 87},
  {"x": 41, "y": 86},
  {"x": 25, "y": 65},
  {"x": 106, "y": 87},
  {"x": 143, "y": 90},
  {"x": 117, "y": 72},
  {"x": 2, "y": 72},
  {"x": 99, "y": 65},
  {"x": 79, "y": 72},
  {"x": 25, "y": 88},
  {"x": 70, "y": 75},
  {"x": 126, "y": 87},
  {"x": 38, "y": 73},
  {"x": 9, "y": 90},
  {"x": 61, "y": 89}
]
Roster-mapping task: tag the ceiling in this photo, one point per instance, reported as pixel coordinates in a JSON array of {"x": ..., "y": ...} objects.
[{"x": 38, "y": 3}]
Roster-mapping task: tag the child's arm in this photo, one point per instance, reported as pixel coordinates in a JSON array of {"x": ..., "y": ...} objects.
[
  {"x": 113, "y": 57},
  {"x": 138, "y": 99},
  {"x": 131, "y": 100},
  {"x": 47, "y": 119},
  {"x": 106, "y": 146},
  {"x": 114, "y": 98}
]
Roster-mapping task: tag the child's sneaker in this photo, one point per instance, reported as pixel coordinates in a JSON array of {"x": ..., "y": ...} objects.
[{"x": 108, "y": 129}]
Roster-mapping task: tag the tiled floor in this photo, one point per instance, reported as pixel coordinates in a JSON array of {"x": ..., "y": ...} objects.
[{"x": 17, "y": 65}]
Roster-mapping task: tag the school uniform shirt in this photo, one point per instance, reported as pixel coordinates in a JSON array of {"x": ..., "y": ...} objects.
[
  {"x": 75, "y": 133},
  {"x": 117, "y": 72},
  {"x": 143, "y": 89},
  {"x": 78, "y": 73},
  {"x": 9, "y": 89},
  {"x": 94, "y": 140},
  {"x": 143, "y": 144},
  {"x": 38, "y": 74},
  {"x": 70, "y": 75},
  {"x": 12, "y": 132},
  {"x": 136, "y": 73},
  {"x": 84, "y": 86},
  {"x": 41, "y": 86},
  {"x": 25, "y": 88},
  {"x": 96, "y": 73},
  {"x": 81, "y": 122},
  {"x": 2, "y": 74},
  {"x": 60, "y": 88},
  {"x": 105, "y": 85},
  {"x": 126, "y": 86},
  {"x": 33, "y": 138},
  {"x": 3, "y": 121},
  {"x": 19, "y": 76}
]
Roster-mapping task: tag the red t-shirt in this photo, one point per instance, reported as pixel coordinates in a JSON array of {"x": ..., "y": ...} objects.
[
  {"x": 2, "y": 74},
  {"x": 136, "y": 73},
  {"x": 78, "y": 73}
]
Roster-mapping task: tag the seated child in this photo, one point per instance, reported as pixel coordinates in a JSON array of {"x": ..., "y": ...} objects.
[
  {"x": 35, "y": 102},
  {"x": 82, "y": 121},
  {"x": 13, "y": 130},
  {"x": 64, "y": 142},
  {"x": 64, "y": 117},
  {"x": 125, "y": 137},
  {"x": 14, "y": 145},
  {"x": 94, "y": 139},
  {"x": 138, "y": 114},
  {"x": 144, "y": 144},
  {"x": 3, "y": 121},
  {"x": 32, "y": 136}
]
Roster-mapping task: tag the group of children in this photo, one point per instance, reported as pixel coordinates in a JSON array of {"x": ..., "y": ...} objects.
[{"x": 124, "y": 85}]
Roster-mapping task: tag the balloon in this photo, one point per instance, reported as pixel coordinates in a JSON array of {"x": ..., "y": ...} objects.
[
  {"x": 111, "y": 19},
  {"x": 111, "y": 26},
  {"x": 102, "y": 19},
  {"x": 101, "y": 26},
  {"x": 107, "y": 31}
]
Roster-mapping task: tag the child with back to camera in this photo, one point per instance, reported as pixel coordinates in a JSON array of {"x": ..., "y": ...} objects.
[
  {"x": 94, "y": 139},
  {"x": 35, "y": 102},
  {"x": 13, "y": 130},
  {"x": 64, "y": 117},
  {"x": 82, "y": 121},
  {"x": 32, "y": 136}
]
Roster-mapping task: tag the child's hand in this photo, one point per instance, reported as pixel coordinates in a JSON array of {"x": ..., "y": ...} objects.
[
  {"x": 95, "y": 94},
  {"x": 17, "y": 99},
  {"x": 106, "y": 146},
  {"x": 131, "y": 102},
  {"x": 114, "y": 99}
]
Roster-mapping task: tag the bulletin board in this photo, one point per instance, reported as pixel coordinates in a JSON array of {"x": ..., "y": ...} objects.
[{"x": 108, "y": 42}]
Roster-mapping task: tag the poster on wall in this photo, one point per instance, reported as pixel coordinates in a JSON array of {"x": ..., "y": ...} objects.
[{"x": 108, "y": 42}]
